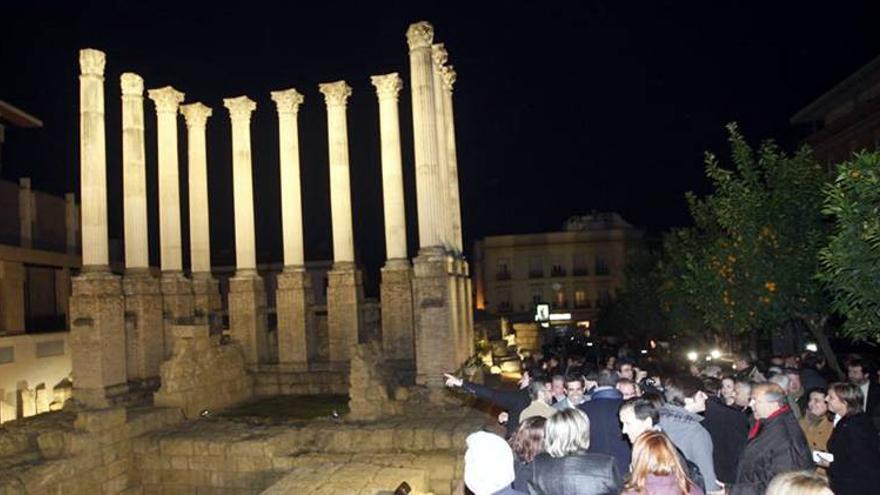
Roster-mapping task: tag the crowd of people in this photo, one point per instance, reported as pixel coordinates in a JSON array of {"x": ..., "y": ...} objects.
[{"x": 785, "y": 426}]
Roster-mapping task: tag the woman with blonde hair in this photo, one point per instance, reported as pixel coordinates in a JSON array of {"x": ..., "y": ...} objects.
[
  {"x": 798, "y": 483},
  {"x": 657, "y": 468},
  {"x": 565, "y": 467}
]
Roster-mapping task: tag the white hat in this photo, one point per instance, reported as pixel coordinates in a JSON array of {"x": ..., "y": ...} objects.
[{"x": 488, "y": 463}]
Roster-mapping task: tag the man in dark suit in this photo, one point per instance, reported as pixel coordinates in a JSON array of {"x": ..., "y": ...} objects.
[
  {"x": 606, "y": 435},
  {"x": 860, "y": 373}
]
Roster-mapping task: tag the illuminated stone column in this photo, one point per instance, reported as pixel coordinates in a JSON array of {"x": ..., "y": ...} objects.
[
  {"x": 134, "y": 174},
  {"x": 454, "y": 200},
  {"x": 145, "y": 342},
  {"x": 97, "y": 306},
  {"x": 396, "y": 287},
  {"x": 206, "y": 289},
  {"x": 434, "y": 289},
  {"x": 247, "y": 296},
  {"x": 439, "y": 57},
  {"x": 427, "y": 161},
  {"x": 93, "y": 161},
  {"x": 464, "y": 290},
  {"x": 344, "y": 283},
  {"x": 177, "y": 296},
  {"x": 293, "y": 297}
]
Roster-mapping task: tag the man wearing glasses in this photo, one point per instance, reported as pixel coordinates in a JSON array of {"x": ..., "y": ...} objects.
[{"x": 776, "y": 443}]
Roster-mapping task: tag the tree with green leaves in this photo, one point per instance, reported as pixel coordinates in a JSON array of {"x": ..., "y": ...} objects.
[
  {"x": 748, "y": 265},
  {"x": 851, "y": 260}
]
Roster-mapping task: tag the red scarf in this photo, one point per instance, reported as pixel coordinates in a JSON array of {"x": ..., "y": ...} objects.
[{"x": 758, "y": 424}]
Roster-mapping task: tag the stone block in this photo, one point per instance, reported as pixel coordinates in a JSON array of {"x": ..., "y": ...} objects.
[
  {"x": 247, "y": 317},
  {"x": 97, "y": 339},
  {"x": 145, "y": 339},
  {"x": 97, "y": 420},
  {"x": 345, "y": 294},
  {"x": 293, "y": 302},
  {"x": 177, "y": 304}
]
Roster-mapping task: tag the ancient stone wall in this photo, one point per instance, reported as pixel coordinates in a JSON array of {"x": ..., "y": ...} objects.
[
  {"x": 272, "y": 380},
  {"x": 202, "y": 373}
]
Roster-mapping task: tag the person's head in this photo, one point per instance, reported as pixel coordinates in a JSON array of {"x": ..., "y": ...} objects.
[
  {"x": 712, "y": 371},
  {"x": 794, "y": 381},
  {"x": 606, "y": 378},
  {"x": 574, "y": 389},
  {"x": 488, "y": 463},
  {"x": 792, "y": 361},
  {"x": 811, "y": 360},
  {"x": 611, "y": 363},
  {"x": 625, "y": 370},
  {"x": 766, "y": 398},
  {"x": 798, "y": 483},
  {"x": 627, "y": 388},
  {"x": 845, "y": 398},
  {"x": 637, "y": 416},
  {"x": 558, "y": 385},
  {"x": 743, "y": 390},
  {"x": 566, "y": 433},
  {"x": 816, "y": 404},
  {"x": 781, "y": 380},
  {"x": 654, "y": 454},
  {"x": 728, "y": 389},
  {"x": 694, "y": 369},
  {"x": 777, "y": 361},
  {"x": 528, "y": 441},
  {"x": 685, "y": 391},
  {"x": 538, "y": 391},
  {"x": 742, "y": 362},
  {"x": 711, "y": 386},
  {"x": 857, "y": 371}
]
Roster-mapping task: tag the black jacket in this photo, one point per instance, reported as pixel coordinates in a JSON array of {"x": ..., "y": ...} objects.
[
  {"x": 606, "y": 435},
  {"x": 729, "y": 429},
  {"x": 779, "y": 447},
  {"x": 872, "y": 408},
  {"x": 856, "y": 466},
  {"x": 512, "y": 401},
  {"x": 580, "y": 474}
]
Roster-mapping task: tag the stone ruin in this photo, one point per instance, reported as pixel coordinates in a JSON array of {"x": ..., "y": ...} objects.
[
  {"x": 202, "y": 375},
  {"x": 148, "y": 358}
]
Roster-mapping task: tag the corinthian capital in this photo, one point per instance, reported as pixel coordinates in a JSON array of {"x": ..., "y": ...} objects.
[
  {"x": 439, "y": 55},
  {"x": 387, "y": 85},
  {"x": 335, "y": 93},
  {"x": 167, "y": 99},
  {"x": 91, "y": 62},
  {"x": 287, "y": 100},
  {"x": 132, "y": 84},
  {"x": 419, "y": 35},
  {"x": 196, "y": 114},
  {"x": 240, "y": 108},
  {"x": 447, "y": 73}
]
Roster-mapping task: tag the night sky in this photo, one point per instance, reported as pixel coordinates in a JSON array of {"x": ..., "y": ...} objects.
[{"x": 561, "y": 107}]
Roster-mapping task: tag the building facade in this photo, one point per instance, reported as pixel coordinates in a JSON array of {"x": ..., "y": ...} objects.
[
  {"x": 575, "y": 271},
  {"x": 846, "y": 118}
]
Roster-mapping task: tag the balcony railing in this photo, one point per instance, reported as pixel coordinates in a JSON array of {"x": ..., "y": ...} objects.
[
  {"x": 502, "y": 276},
  {"x": 536, "y": 274}
]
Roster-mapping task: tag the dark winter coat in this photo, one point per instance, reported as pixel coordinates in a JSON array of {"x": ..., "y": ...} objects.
[
  {"x": 856, "y": 466},
  {"x": 580, "y": 474},
  {"x": 729, "y": 429},
  {"x": 606, "y": 435},
  {"x": 512, "y": 401},
  {"x": 779, "y": 447}
]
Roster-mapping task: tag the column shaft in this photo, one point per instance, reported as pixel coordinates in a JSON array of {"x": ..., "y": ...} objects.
[
  {"x": 287, "y": 103},
  {"x": 93, "y": 160},
  {"x": 452, "y": 161},
  {"x": 134, "y": 173},
  {"x": 196, "y": 116},
  {"x": 242, "y": 183},
  {"x": 335, "y": 95},
  {"x": 387, "y": 88},
  {"x": 428, "y": 193},
  {"x": 167, "y": 100},
  {"x": 438, "y": 57}
]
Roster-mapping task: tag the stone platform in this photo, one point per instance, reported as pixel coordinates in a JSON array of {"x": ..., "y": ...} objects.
[{"x": 155, "y": 451}]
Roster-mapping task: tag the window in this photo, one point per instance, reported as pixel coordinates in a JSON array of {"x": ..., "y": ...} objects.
[
  {"x": 502, "y": 271},
  {"x": 537, "y": 295},
  {"x": 504, "y": 305},
  {"x": 601, "y": 266},
  {"x": 536, "y": 267},
  {"x": 580, "y": 265},
  {"x": 580, "y": 299},
  {"x": 559, "y": 301},
  {"x": 41, "y": 312},
  {"x": 7, "y": 355},
  {"x": 557, "y": 269},
  {"x": 604, "y": 297},
  {"x": 50, "y": 348}
]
